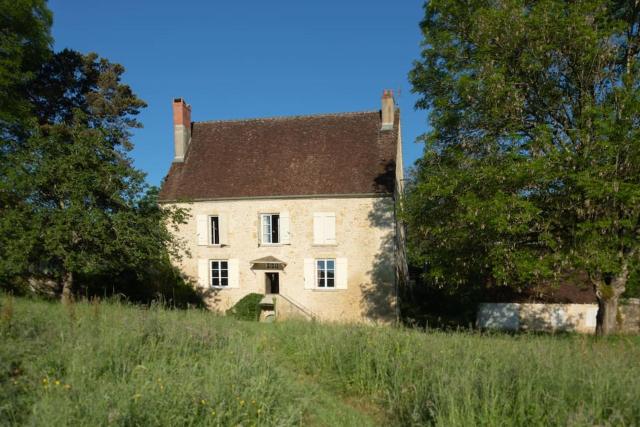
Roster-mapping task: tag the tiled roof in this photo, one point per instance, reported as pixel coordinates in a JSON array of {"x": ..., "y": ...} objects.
[{"x": 329, "y": 154}]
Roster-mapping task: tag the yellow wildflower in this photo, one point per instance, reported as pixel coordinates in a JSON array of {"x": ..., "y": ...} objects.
[
  {"x": 67, "y": 386},
  {"x": 57, "y": 382}
]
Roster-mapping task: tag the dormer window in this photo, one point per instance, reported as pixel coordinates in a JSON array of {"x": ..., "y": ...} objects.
[{"x": 270, "y": 228}]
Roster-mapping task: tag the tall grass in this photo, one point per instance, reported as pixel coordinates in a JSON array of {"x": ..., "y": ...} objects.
[{"x": 114, "y": 364}]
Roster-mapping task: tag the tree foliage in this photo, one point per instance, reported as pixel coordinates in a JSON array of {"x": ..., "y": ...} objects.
[
  {"x": 72, "y": 203},
  {"x": 25, "y": 42},
  {"x": 532, "y": 165}
]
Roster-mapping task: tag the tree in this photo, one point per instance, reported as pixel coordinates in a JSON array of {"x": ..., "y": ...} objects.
[
  {"x": 25, "y": 44},
  {"x": 532, "y": 165},
  {"x": 72, "y": 201}
]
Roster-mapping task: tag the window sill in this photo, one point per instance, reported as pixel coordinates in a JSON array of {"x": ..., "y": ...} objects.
[
  {"x": 324, "y": 245},
  {"x": 326, "y": 289},
  {"x": 271, "y": 245},
  {"x": 216, "y": 246},
  {"x": 220, "y": 287}
]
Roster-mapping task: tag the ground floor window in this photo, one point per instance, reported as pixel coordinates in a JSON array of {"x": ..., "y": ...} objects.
[
  {"x": 325, "y": 273},
  {"x": 219, "y": 273}
]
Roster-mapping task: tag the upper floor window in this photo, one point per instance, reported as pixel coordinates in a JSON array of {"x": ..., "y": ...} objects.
[
  {"x": 215, "y": 230},
  {"x": 270, "y": 228},
  {"x": 212, "y": 230},
  {"x": 324, "y": 228}
]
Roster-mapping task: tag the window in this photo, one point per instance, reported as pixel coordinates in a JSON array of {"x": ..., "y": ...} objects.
[
  {"x": 211, "y": 229},
  {"x": 324, "y": 228},
  {"x": 325, "y": 273},
  {"x": 215, "y": 230},
  {"x": 270, "y": 228},
  {"x": 219, "y": 274}
]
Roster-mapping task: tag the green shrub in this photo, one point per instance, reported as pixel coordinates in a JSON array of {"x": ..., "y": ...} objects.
[{"x": 248, "y": 308}]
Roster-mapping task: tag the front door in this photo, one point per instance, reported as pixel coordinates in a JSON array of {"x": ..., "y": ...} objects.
[{"x": 272, "y": 281}]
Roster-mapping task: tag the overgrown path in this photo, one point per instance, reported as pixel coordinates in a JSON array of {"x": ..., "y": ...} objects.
[
  {"x": 329, "y": 408},
  {"x": 326, "y": 405}
]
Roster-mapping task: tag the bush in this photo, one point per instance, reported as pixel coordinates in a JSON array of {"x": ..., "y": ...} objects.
[
  {"x": 160, "y": 282},
  {"x": 248, "y": 308}
]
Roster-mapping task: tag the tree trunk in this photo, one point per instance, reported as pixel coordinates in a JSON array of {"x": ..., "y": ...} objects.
[
  {"x": 606, "y": 319},
  {"x": 608, "y": 296},
  {"x": 67, "y": 288}
]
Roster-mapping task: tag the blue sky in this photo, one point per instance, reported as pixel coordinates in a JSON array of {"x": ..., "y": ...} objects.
[{"x": 241, "y": 59}]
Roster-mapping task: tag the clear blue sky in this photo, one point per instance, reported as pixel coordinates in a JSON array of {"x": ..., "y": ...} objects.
[{"x": 240, "y": 59}]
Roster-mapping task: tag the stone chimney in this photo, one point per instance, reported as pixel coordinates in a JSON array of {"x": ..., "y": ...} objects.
[
  {"x": 388, "y": 110},
  {"x": 181, "y": 128}
]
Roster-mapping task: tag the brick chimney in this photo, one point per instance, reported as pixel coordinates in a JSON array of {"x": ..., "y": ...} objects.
[
  {"x": 388, "y": 110},
  {"x": 181, "y": 128}
]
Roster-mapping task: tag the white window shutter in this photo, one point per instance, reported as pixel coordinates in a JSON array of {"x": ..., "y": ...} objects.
[
  {"x": 260, "y": 229},
  {"x": 342, "y": 273},
  {"x": 223, "y": 224},
  {"x": 234, "y": 273},
  {"x": 202, "y": 232},
  {"x": 285, "y": 234},
  {"x": 309, "y": 273},
  {"x": 318, "y": 229},
  {"x": 204, "y": 273},
  {"x": 330, "y": 228}
]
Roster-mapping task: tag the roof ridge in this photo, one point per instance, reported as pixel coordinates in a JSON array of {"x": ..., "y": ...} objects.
[{"x": 298, "y": 116}]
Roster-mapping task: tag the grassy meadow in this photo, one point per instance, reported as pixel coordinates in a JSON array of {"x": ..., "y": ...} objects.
[{"x": 95, "y": 363}]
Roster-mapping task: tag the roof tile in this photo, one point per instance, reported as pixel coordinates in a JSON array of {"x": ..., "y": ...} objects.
[{"x": 330, "y": 154}]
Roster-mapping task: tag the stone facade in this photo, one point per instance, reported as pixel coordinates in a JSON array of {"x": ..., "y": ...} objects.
[
  {"x": 365, "y": 231},
  {"x": 323, "y": 188}
]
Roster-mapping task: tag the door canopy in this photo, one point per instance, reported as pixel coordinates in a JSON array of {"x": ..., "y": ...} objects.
[{"x": 268, "y": 263}]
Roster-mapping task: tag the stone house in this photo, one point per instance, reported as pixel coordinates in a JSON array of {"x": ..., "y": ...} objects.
[{"x": 301, "y": 209}]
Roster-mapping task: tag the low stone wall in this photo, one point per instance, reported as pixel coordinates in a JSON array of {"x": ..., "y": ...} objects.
[
  {"x": 630, "y": 316},
  {"x": 552, "y": 317},
  {"x": 287, "y": 309}
]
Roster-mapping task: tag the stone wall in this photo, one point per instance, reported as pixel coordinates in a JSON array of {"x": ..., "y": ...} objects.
[
  {"x": 552, "y": 317},
  {"x": 365, "y": 236}
]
